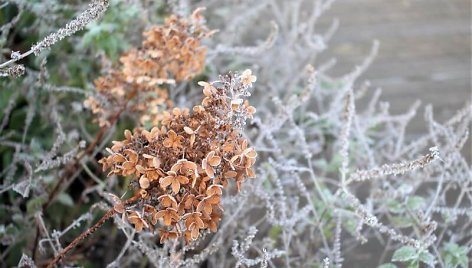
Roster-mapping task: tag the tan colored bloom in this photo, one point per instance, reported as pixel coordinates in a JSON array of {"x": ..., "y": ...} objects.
[
  {"x": 250, "y": 153},
  {"x": 212, "y": 221},
  {"x": 173, "y": 180},
  {"x": 128, "y": 135},
  {"x": 166, "y": 118},
  {"x": 198, "y": 109},
  {"x": 167, "y": 201},
  {"x": 245, "y": 158},
  {"x": 208, "y": 89},
  {"x": 117, "y": 145},
  {"x": 236, "y": 103},
  {"x": 150, "y": 168},
  {"x": 136, "y": 219},
  {"x": 152, "y": 135},
  {"x": 230, "y": 174},
  {"x": 250, "y": 110},
  {"x": 203, "y": 184},
  {"x": 193, "y": 223},
  {"x": 210, "y": 162},
  {"x": 169, "y": 215},
  {"x": 173, "y": 140},
  {"x": 190, "y": 201},
  {"x": 129, "y": 166},
  {"x": 214, "y": 189},
  {"x": 192, "y": 134},
  {"x": 182, "y": 167},
  {"x": 118, "y": 158},
  {"x": 152, "y": 212},
  {"x": 249, "y": 172},
  {"x": 247, "y": 78},
  {"x": 180, "y": 112},
  {"x": 185, "y": 167},
  {"x": 167, "y": 235},
  {"x": 169, "y": 53},
  {"x": 196, "y": 14},
  {"x": 206, "y": 205}
]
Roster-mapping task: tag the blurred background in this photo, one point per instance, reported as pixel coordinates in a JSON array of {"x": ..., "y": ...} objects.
[{"x": 425, "y": 51}]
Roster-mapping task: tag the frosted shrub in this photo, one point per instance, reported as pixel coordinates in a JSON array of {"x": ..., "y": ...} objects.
[{"x": 182, "y": 172}]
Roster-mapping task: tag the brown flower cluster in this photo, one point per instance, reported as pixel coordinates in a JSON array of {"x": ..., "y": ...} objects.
[
  {"x": 169, "y": 53},
  {"x": 180, "y": 167}
]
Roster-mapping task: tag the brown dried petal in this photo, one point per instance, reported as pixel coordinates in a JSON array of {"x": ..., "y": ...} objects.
[
  {"x": 144, "y": 182},
  {"x": 128, "y": 135},
  {"x": 119, "y": 158}
]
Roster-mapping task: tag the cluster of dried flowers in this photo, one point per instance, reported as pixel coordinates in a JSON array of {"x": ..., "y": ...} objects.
[
  {"x": 169, "y": 53},
  {"x": 180, "y": 167}
]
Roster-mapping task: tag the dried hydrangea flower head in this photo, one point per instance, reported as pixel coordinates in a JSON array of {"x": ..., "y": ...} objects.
[
  {"x": 170, "y": 53},
  {"x": 180, "y": 167}
]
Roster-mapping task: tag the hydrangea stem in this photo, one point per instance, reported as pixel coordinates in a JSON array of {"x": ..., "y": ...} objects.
[
  {"x": 82, "y": 236},
  {"x": 89, "y": 231}
]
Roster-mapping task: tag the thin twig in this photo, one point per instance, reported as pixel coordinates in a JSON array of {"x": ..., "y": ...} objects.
[
  {"x": 89, "y": 231},
  {"x": 94, "y": 11},
  {"x": 82, "y": 236}
]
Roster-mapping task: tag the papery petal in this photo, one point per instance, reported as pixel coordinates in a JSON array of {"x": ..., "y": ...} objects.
[
  {"x": 128, "y": 134},
  {"x": 214, "y": 161},
  {"x": 188, "y": 130},
  {"x": 167, "y": 219},
  {"x": 250, "y": 173},
  {"x": 118, "y": 158},
  {"x": 182, "y": 179},
  {"x": 210, "y": 171},
  {"x": 144, "y": 182},
  {"x": 128, "y": 165},
  {"x": 230, "y": 174},
  {"x": 156, "y": 162},
  {"x": 166, "y": 181},
  {"x": 167, "y": 143},
  {"x": 175, "y": 186},
  {"x": 250, "y": 152}
]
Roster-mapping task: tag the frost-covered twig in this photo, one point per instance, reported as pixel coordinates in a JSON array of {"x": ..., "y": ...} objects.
[
  {"x": 348, "y": 114},
  {"x": 394, "y": 169},
  {"x": 94, "y": 11},
  {"x": 110, "y": 213},
  {"x": 239, "y": 249},
  {"x": 250, "y": 51},
  {"x": 338, "y": 259}
]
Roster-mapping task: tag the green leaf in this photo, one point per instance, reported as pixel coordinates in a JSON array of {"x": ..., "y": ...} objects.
[
  {"x": 394, "y": 206},
  {"x": 274, "y": 232},
  {"x": 427, "y": 258},
  {"x": 415, "y": 202},
  {"x": 65, "y": 199},
  {"x": 405, "y": 253},
  {"x": 35, "y": 204},
  {"x": 455, "y": 255},
  {"x": 335, "y": 163}
]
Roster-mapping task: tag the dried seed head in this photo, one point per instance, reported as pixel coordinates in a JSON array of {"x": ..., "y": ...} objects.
[
  {"x": 169, "y": 53},
  {"x": 187, "y": 162}
]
